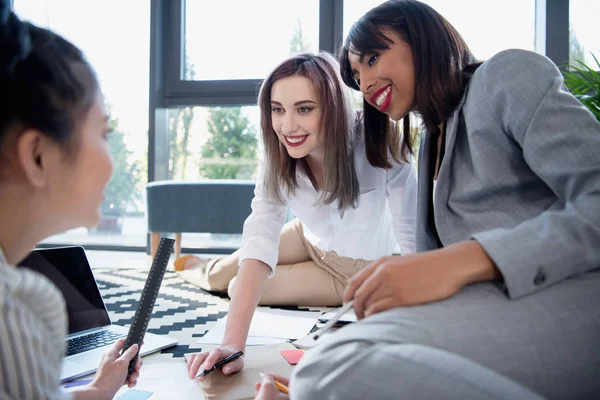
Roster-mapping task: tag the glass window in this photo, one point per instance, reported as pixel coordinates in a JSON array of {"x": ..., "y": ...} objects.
[
  {"x": 487, "y": 26},
  {"x": 114, "y": 35},
  {"x": 214, "y": 142},
  {"x": 583, "y": 32},
  {"x": 246, "y": 39}
]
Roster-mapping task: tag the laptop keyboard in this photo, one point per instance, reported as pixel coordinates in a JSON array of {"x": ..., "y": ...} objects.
[{"x": 92, "y": 341}]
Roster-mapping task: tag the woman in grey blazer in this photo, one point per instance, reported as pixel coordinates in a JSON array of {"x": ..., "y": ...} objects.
[{"x": 504, "y": 292}]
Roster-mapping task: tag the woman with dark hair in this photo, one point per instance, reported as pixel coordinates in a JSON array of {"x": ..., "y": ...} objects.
[
  {"x": 54, "y": 166},
  {"x": 316, "y": 164},
  {"x": 501, "y": 300}
]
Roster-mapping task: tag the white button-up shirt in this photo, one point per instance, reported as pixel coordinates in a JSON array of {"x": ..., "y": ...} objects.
[{"x": 383, "y": 220}]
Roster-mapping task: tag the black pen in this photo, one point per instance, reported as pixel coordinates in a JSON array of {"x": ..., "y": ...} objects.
[{"x": 219, "y": 364}]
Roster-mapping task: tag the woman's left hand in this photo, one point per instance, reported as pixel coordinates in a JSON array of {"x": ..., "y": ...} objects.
[
  {"x": 113, "y": 369},
  {"x": 418, "y": 278}
]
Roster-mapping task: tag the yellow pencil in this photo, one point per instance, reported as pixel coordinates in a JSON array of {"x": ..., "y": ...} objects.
[{"x": 281, "y": 387}]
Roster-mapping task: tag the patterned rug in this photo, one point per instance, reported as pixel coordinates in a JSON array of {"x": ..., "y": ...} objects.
[{"x": 182, "y": 311}]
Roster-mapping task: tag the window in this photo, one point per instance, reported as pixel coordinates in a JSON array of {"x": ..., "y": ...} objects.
[
  {"x": 583, "y": 32},
  {"x": 114, "y": 35},
  {"x": 209, "y": 57},
  {"x": 487, "y": 26},
  {"x": 214, "y": 142},
  {"x": 246, "y": 39},
  {"x": 354, "y": 9}
]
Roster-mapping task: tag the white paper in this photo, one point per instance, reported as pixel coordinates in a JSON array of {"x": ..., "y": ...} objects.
[
  {"x": 164, "y": 385},
  {"x": 269, "y": 326},
  {"x": 286, "y": 324},
  {"x": 215, "y": 336}
]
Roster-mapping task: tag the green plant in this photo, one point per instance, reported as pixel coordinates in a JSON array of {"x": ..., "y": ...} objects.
[
  {"x": 230, "y": 151},
  {"x": 121, "y": 189},
  {"x": 584, "y": 82}
]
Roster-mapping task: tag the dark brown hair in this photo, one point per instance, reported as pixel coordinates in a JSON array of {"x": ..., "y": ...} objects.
[
  {"x": 442, "y": 60},
  {"x": 339, "y": 125}
]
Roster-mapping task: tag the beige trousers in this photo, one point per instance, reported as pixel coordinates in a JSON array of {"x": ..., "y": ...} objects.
[{"x": 305, "y": 274}]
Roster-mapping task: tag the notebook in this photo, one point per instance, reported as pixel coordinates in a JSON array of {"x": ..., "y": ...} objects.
[{"x": 91, "y": 331}]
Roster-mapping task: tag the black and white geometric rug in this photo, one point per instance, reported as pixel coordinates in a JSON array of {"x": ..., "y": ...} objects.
[{"x": 182, "y": 311}]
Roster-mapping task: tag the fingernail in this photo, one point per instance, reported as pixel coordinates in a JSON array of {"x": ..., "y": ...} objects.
[{"x": 226, "y": 370}]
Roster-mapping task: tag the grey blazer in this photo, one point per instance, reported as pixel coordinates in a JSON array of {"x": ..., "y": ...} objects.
[{"x": 521, "y": 175}]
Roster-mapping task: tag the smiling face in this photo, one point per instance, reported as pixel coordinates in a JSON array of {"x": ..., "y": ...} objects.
[
  {"x": 296, "y": 116},
  {"x": 387, "y": 77}
]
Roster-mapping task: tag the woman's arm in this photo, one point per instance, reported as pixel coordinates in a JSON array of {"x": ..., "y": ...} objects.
[
  {"x": 247, "y": 291},
  {"x": 258, "y": 257},
  {"x": 248, "y": 288},
  {"x": 560, "y": 143},
  {"x": 419, "y": 278}
]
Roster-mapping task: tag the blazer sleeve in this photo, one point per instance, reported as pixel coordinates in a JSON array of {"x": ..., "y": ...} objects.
[
  {"x": 560, "y": 140},
  {"x": 262, "y": 228}
]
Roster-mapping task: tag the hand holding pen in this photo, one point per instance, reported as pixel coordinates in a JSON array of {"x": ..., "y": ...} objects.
[
  {"x": 219, "y": 364},
  {"x": 228, "y": 358},
  {"x": 272, "y": 387}
]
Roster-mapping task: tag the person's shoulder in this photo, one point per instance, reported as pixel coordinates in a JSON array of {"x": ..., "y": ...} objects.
[
  {"x": 513, "y": 78},
  {"x": 22, "y": 287},
  {"x": 517, "y": 56},
  {"x": 518, "y": 65}
]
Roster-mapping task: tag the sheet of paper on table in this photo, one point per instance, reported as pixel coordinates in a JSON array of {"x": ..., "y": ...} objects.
[
  {"x": 167, "y": 380},
  {"x": 269, "y": 326}
]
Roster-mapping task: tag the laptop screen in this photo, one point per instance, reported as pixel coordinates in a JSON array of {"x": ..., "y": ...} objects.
[{"x": 70, "y": 271}]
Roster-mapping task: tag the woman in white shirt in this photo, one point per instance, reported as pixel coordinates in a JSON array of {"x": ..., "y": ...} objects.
[
  {"x": 54, "y": 166},
  {"x": 336, "y": 182}
]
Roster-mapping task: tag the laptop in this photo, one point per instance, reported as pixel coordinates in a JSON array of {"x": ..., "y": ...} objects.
[{"x": 91, "y": 332}]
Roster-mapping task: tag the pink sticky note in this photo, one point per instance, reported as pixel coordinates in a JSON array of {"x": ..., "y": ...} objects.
[{"x": 292, "y": 356}]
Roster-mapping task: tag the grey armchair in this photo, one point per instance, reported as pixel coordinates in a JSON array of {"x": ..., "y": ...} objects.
[{"x": 215, "y": 206}]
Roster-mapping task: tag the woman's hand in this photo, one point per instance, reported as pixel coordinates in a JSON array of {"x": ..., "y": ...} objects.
[
  {"x": 418, "y": 278},
  {"x": 112, "y": 371},
  {"x": 201, "y": 361},
  {"x": 266, "y": 389}
]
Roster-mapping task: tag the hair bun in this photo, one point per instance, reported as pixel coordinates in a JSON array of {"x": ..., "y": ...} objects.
[{"x": 15, "y": 42}]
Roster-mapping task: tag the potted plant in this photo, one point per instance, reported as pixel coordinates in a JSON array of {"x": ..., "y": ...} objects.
[{"x": 584, "y": 82}]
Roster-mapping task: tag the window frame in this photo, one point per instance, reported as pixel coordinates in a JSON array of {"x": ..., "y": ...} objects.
[{"x": 168, "y": 89}]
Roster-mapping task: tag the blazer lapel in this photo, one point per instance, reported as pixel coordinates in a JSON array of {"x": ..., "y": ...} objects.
[{"x": 427, "y": 236}]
